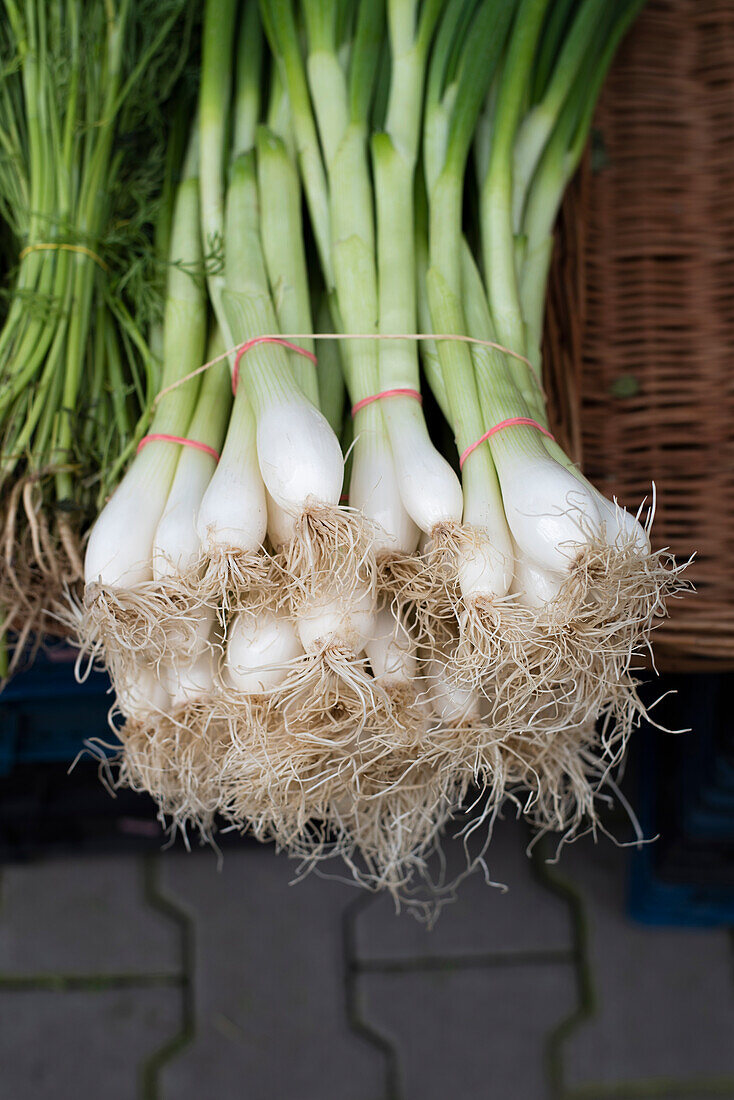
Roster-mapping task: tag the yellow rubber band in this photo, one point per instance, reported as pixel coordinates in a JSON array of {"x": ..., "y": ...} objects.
[{"x": 58, "y": 247}]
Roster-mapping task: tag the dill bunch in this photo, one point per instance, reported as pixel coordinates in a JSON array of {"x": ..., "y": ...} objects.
[{"x": 92, "y": 95}]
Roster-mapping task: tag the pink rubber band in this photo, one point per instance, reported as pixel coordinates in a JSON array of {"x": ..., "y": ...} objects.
[
  {"x": 513, "y": 422},
  {"x": 160, "y": 437},
  {"x": 265, "y": 340},
  {"x": 386, "y": 393}
]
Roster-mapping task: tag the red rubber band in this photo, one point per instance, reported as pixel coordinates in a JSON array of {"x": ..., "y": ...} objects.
[
  {"x": 265, "y": 340},
  {"x": 386, "y": 393},
  {"x": 160, "y": 437},
  {"x": 513, "y": 422}
]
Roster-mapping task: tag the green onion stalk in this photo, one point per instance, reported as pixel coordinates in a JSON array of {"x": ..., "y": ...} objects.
[
  {"x": 174, "y": 734},
  {"x": 473, "y": 558},
  {"x": 144, "y": 538},
  {"x": 233, "y": 516},
  {"x": 292, "y": 682},
  {"x": 281, "y": 470},
  {"x": 84, "y": 109},
  {"x": 331, "y": 107},
  {"x": 141, "y": 616},
  {"x": 585, "y": 586},
  {"x": 297, "y": 453},
  {"x": 421, "y": 790},
  {"x": 331, "y": 558}
]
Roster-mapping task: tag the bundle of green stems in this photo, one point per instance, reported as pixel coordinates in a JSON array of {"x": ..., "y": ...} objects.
[{"x": 87, "y": 160}]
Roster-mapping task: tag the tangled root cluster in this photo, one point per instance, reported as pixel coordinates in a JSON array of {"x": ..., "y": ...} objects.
[
  {"x": 173, "y": 758},
  {"x": 40, "y": 561},
  {"x": 331, "y": 550},
  {"x": 508, "y": 704}
]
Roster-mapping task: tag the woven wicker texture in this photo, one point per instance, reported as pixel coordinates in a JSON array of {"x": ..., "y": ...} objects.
[{"x": 640, "y": 332}]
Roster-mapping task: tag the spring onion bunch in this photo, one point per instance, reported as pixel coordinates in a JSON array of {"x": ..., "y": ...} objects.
[
  {"x": 340, "y": 629},
  {"x": 547, "y": 643},
  {"x": 85, "y": 110}
]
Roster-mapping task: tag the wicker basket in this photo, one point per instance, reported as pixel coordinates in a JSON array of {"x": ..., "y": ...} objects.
[{"x": 640, "y": 329}]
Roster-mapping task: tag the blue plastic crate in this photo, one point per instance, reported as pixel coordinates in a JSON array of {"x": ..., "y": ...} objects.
[
  {"x": 686, "y": 798},
  {"x": 656, "y": 902},
  {"x": 46, "y": 716}
]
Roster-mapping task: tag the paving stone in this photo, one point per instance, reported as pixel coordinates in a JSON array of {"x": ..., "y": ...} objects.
[
  {"x": 665, "y": 997},
  {"x": 655, "y": 1090},
  {"x": 81, "y": 1045},
  {"x": 470, "y": 1033},
  {"x": 269, "y": 984},
  {"x": 483, "y": 919},
  {"x": 82, "y": 916}
]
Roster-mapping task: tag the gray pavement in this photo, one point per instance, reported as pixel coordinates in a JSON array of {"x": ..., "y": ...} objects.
[{"x": 169, "y": 978}]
